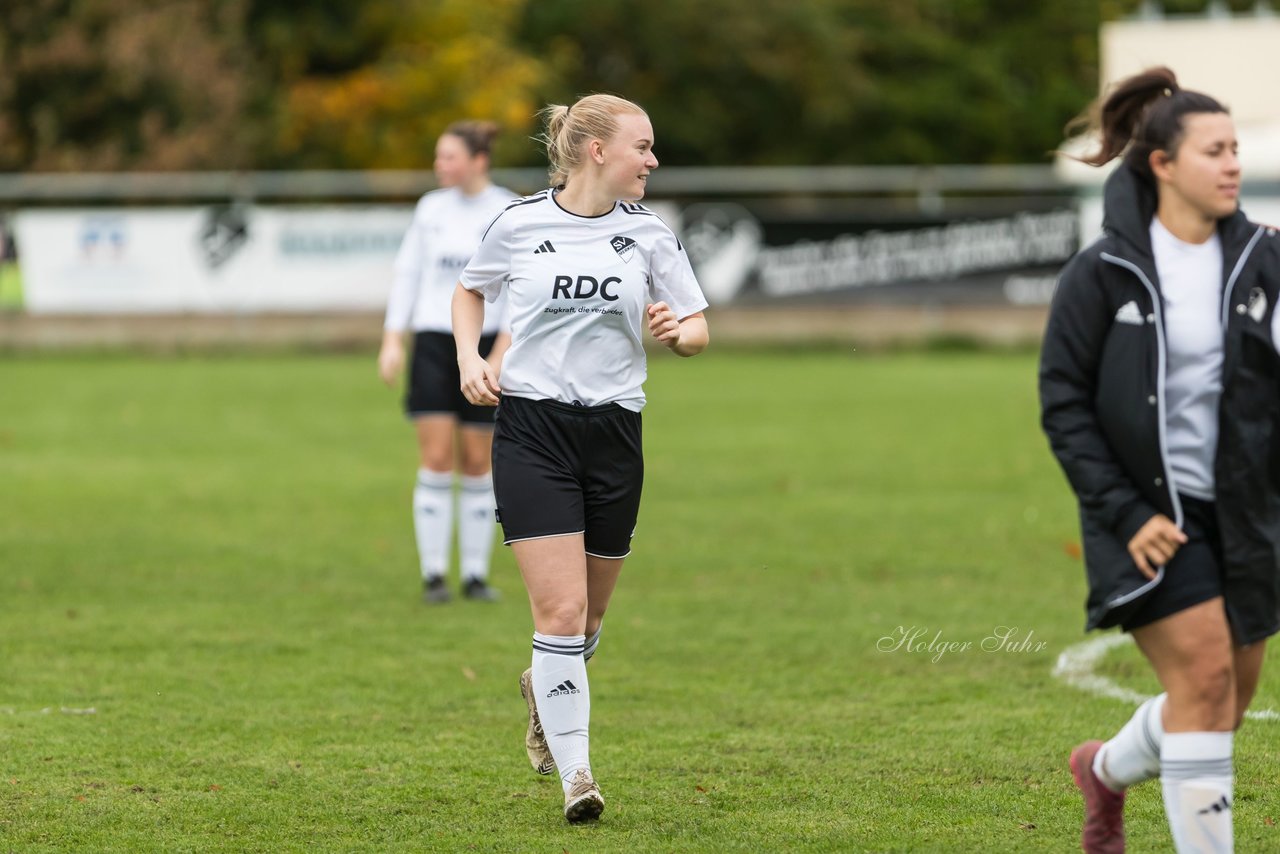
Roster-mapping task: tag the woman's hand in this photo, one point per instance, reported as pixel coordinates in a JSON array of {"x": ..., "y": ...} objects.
[
  {"x": 1155, "y": 544},
  {"x": 390, "y": 357},
  {"x": 663, "y": 324},
  {"x": 479, "y": 380}
]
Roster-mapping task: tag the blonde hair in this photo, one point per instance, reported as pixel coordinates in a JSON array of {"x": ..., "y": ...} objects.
[{"x": 569, "y": 129}]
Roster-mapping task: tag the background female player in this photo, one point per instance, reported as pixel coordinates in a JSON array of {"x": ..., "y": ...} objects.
[
  {"x": 447, "y": 226},
  {"x": 1158, "y": 391},
  {"x": 583, "y": 273}
]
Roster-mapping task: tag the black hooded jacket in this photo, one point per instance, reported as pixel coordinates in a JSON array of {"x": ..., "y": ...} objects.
[{"x": 1102, "y": 374}]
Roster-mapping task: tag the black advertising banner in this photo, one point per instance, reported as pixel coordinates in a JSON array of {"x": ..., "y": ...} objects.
[{"x": 745, "y": 259}]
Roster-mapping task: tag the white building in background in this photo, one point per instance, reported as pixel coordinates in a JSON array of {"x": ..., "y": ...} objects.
[{"x": 1231, "y": 57}]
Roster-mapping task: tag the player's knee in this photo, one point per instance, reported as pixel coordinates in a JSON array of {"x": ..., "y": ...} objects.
[
  {"x": 565, "y": 618},
  {"x": 1210, "y": 697},
  {"x": 437, "y": 459},
  {"x": 475, "y": 466}
]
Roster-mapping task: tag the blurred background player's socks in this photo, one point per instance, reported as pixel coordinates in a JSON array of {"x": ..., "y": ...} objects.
[
  {"x": 1133, "y": 755},
  {"x": 1197, "y": 776},
  {"x": 564, "y": 705},
  {"x": 475, "y": 526},
  {"x": 433, "y": 520}
]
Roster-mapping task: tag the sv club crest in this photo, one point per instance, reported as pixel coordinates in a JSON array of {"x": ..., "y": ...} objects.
[{"x": 624, "y": 246}]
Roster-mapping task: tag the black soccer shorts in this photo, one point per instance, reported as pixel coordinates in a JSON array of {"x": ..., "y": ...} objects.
[
  {"x": 565, "y": 469},
  {"x": 435, "y": 388}
]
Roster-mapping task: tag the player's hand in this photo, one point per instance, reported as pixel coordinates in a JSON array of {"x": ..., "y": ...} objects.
[
  {"x": 390, "y": 360},
  {"x": 663, "y": 324},
  {"x": 479, "y": 380},
  {"x": 1155, "y": 544}
]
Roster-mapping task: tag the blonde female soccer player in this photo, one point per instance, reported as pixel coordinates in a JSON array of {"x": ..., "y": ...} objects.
[
  {"x": 446, "y": 229},
  {"x": 585, "y": 269},
  {"x": 1158, "y": 386}
]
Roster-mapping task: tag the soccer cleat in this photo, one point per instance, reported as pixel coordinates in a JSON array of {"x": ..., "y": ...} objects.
[
  {"x": 477, "y": 589},
  {"x": 583, "y": 801},
  {"x": 434, "y": 592},
  {"x": 1103, "y": 808},
  {"x": 535, "y": 743}
]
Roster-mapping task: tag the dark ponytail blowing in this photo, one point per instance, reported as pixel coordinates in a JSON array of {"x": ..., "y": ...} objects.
[{"x": 1142, "y": 114}]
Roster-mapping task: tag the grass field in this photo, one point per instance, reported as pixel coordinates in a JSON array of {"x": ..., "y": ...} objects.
[{"x": 211, "y": 637}]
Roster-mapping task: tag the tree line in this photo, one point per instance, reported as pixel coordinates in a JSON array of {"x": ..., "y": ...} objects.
[{"x": 330, "y": 84}]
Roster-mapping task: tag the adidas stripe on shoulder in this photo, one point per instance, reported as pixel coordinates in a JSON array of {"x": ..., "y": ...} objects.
[{"x": 636, "y": 208}]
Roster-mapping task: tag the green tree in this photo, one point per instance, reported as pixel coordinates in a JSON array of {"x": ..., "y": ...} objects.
[
  {"x": 121, "y": 84},
  {"x": 830, "y": 81},
  {"x": 372, "y": 85}
]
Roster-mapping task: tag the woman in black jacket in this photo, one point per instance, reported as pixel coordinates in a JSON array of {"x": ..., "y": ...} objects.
[{"x": 1159, "y": 395}]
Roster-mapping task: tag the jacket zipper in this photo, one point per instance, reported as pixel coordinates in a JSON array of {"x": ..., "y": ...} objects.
[
  {"x": 1157, "y": 310},
  {"x": 1235, "y": 274}
]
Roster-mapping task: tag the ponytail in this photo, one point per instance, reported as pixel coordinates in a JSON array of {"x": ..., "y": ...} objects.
[
  {"x": 569, "y": 129},
  {"x": 1142, "y": 114}
]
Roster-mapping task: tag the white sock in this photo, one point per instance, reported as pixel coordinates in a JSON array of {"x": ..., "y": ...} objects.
[
  {"x": 564, "y": 704},
  {"x": 1133, "y": 754},
  {"x": 592, "y": 642},
  {"x": 433, "y": 520},
  {"x": 475, "y": 526},
  {"x": 1196, "y": 775}
]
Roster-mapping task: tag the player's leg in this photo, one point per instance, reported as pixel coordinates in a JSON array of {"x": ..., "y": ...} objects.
[
  {"x": 1104, "y": 771},
  {"x": 1247, "y": 664},
  {"x": 602, "y": 580},
  {"x": 555, "y": 575},
  {"x": 430, "y": 400},
  {"x": 1193, "y": 657},
  {"x": 475, "y": 509},
  {"x": 612, "y": 505},
  {"x": 433, "y": 501},
  {"x": 536, "y": 454},
  {"x": 475, "y": 497}
]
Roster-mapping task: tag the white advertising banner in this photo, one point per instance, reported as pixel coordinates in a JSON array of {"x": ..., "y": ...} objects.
[{"x": 223, "y": 258}]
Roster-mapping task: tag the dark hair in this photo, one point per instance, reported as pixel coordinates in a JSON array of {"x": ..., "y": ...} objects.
[
  {"x": 1142, "y": 114},
  {"x": 476, "y": 135}
]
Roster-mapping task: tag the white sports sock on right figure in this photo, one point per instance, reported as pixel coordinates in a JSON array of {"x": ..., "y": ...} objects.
[
  {"x": 1133, "y": 755},
  {"x": 1197, "y": 776},
  {"x": 564, "y": 704},
  {"x": 475, "y": 526},
  {"x": 433, "y": 520}
]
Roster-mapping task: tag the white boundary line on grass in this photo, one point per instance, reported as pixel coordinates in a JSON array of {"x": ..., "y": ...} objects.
[{"x": 1076, "y": 665}]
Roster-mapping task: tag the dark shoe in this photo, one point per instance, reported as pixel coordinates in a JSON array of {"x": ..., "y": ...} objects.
[
  {"x": 434, "y": 592},
  {"x": 477, "y": 589},
  {"x": 1103, "y": 808}
]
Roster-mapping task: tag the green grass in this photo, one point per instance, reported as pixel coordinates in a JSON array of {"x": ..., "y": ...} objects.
[
  {"x": 10, "y": 286},
  {"x": 215, "y": 556}
]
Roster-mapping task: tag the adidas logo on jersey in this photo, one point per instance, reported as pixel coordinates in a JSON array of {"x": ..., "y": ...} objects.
[
  {"x": 564, "y": 688},
  {"x": 624, "y": 246},
  {"x": 1129, "y": 314},
  {"x": 545, "y": 247}
]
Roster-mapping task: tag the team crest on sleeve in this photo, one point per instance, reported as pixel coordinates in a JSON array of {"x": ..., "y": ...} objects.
[{"x": 624, "y": 246}]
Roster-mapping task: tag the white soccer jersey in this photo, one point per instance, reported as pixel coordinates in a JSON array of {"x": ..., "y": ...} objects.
[
  {"x": 577, "y": 289},
  {"x": 446, "y": 229}
]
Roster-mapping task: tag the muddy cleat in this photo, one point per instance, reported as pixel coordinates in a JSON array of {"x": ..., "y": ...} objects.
[
  {"x": 1103, "y": 808},
  {"x": 434, "y": 592},
  {"x": 535, "y": 743},
  {"x": 583, "y": 801},
  {"x": 477, "y": 589}
]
